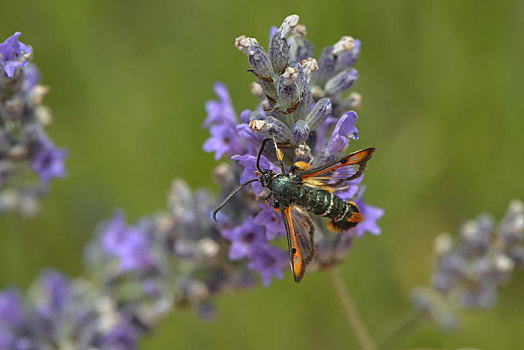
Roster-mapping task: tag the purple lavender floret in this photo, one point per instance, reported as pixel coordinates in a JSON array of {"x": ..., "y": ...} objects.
[
  {"x": 48, "y": 161},
  {"x": 343, "y": 132},
  {"x": 249, "y": 173},
  {"x": 272, "y": 220},
  {"x": 224, "y": 140},
  {"x": 127, "y": 243},
  {"x": 13, "y": 318},
  {"x": 28, "y": 157},
  {"x": 371, "y": 215},
  {"x": 14, "y": 54},
  {"x": 55, "y": 292},
  {"x": 222, "y": 122},
  {"x": 244, "y": 239},
  {"x": 269, "y": 261},
  {"x": 11, "y": 308}
]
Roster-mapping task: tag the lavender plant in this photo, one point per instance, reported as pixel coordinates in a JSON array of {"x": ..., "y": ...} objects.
[
  {"x": 469, "y": 270},
  {"x": 28, "y": 157},
  {"x": 305, "y": 104},
  {"x": 180, "y": 257}
]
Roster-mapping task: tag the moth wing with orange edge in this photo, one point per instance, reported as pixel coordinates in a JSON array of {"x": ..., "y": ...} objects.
[
  {"x": 300, "y": 232},
  {"x": 333, "y": 176}
]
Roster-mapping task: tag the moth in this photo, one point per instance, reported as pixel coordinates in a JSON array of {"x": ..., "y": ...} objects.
[{"x": 304, "y": 190}]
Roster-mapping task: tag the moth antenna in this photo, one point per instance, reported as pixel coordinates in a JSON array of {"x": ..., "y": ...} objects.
[
  {"x": 229, "y": 197},
  {"x": 260, "y": 150}
]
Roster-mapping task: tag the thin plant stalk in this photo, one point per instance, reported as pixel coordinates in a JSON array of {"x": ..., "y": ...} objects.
[{"x": 355, "y": 321}]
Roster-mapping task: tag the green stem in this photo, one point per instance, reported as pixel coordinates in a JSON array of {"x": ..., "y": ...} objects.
[
  {"x": 401, "y": 325},
  {"x": 355, "y": 321}
]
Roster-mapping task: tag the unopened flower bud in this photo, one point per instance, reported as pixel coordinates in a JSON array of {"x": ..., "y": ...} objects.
[
  {"x": 257, "y": 56},
  {"x": 291, "y": 86},
  {"x": 269, "y": 126},
  {"x": 319, "y": 113},
  {"x": 300, "y": 132},
  {"x": 341, "y": 82}
]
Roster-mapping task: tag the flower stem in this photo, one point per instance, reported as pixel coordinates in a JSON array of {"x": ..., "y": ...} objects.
[
  {"x": 355, "y": 321},
  {"x": 400, "y": 326}
]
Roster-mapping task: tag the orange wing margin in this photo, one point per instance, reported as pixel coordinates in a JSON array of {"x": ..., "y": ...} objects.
[
  {"x": 359, "y": 158},
  {"x": 300, "y": 230}
]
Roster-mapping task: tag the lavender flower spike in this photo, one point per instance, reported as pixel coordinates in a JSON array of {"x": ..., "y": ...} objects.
[
  {"x": 470, "y": 269},
  {"x": 25, "y": 148}
]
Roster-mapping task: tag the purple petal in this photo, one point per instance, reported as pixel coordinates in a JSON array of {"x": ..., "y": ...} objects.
[
  {"x": 14, "y": 54},
  {"x": 344, "y": 130},
  {"x": 269, "y": 262},
  {"x": 48, "y": 161},
  {"x": 272, "y": 220},
  {"x": 371, "y": 215},
  {"x": 243, "y": 238},
  {"x": 221, "y": 111}
]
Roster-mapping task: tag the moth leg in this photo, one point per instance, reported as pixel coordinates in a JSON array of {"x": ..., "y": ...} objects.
[{"x": 280, "y": 155}]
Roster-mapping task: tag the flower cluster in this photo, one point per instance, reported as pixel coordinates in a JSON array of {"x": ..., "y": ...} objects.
[
  {"x": 179, "y": 256},
  {"x": 304, "y": 104},
  {"x": 469, "y": 271},
  {"x": 64, "y": 314},
  {"x": 138, "y": 273},
  {"x": 28, "y": 157}
]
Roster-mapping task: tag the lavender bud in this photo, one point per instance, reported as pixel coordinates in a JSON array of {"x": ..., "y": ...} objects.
[
  {"x": 309, "y": 66},
  {"x": 453, "y": 264},
  {"x": 511, "y": 228},
  {"x": 442, "y": 244},
  {"x": 270, "y": 91},
  {"x": 504, "y": 264},
  {"x": 14, "y": 107},
  {"x": 300, "y": 47},
  {"x": 420, "y": 298},
  {"x": 257, "y": 56},
  {"x": 278, "y": 52},
  {"x": 300, "y": 132},
  {"x": 257, "y": 90},
  {"x": 32, "y": 133},
  {"x": 291, "y": 85},
  {"x": 279, "y": 47},
  {"x": 304, "y": 107},
  {"x": 443, "y": 282},
  {"x": 288, "y": 24},
  {"x": 319, "y": 113},
  {"x": 37, "y": 94},
  {"x": 341, "y": 82},
  {"x": 352, "y": 102},
  {"x": 326, "y": 66},
  {"x": 303, "y": 152},
  {"x": 268, "y": 126},
  {"x": 208, "y": 248},
  {"x": 516, "y": 253},
  {"x": 345, "y": 44},
  {"x": 347, "y": 58}
]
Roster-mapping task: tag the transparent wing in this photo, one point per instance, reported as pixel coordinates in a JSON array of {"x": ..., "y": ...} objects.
[
  {"x": 334, "y": 175},
  {"x": 300, "y": 231}
]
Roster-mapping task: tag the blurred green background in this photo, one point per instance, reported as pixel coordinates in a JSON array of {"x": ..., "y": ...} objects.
[{"x": 443, "y": 85}]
